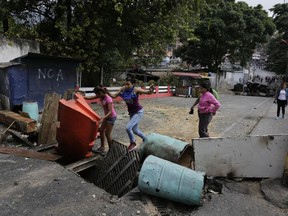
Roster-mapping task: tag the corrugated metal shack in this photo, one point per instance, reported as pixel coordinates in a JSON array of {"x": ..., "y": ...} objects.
[{"x": 30, "y": 77}]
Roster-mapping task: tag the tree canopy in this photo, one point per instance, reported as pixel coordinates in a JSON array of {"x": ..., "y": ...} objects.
[
  {"x": 227, "y": 30},
  {"x": 277, "y": 48},
  {"x": 110, "y": 35}
]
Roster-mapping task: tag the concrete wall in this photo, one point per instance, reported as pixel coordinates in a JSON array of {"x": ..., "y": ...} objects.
[
  {"x": 13, "y": 48},
  {"x": 251, "y": 156}
]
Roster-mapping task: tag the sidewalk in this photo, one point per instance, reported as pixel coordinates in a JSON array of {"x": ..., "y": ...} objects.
[{"x": 268, "y": 125}]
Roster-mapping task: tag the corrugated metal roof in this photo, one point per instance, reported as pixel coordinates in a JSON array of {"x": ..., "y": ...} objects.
[
  {"x": 8, "y": 64},
  {"x": 194, "y": 75}
]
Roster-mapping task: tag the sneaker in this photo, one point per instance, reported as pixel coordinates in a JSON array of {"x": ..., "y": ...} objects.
[
  {"x": 277, "y": 118},
  {"x": 99, "y": 150},
  {"x": 283, "y": 116},
  {"x": 132, "y": 146}
]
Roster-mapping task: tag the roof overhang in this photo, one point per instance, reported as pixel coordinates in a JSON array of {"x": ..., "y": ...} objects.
[{"x": 193, "y": 75}]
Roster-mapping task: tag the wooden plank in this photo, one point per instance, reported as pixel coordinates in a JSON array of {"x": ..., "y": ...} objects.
[
  {"x": 21, "y": 137},
  {"x": 84, "y": 164},
  {"x": 3, "y": 136},
  {"x": 22, "y": 124},
  {"x": 45, "y": 147},
  {"x": 248, "y": 157},
  {"x": 29, "y": 153},
  {"x": 47, "y": 132}
]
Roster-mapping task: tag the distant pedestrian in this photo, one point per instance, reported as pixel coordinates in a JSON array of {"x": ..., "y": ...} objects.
[
  {"x": 130, "y": 94},
  {"x": 108, "y": 120},
  {"x": 281, "y": 98},
  {"x": 207, "y": 107}
]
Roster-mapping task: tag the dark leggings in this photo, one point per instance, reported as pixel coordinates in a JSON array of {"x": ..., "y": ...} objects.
[
  {"x": 281, "y": 104},
  {"x": 204, "y": 120}
]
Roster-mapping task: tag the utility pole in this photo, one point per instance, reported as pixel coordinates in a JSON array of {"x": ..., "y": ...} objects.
[{"x": 286, "y": 72}]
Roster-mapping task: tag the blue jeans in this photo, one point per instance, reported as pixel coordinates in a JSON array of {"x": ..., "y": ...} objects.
[{"x": 132, "y": 126}]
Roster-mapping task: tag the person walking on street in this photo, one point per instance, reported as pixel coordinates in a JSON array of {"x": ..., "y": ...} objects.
[
  {"x": 130, "y": 94},
  {"x": 108, "y": 120},
  {"x": 212, "y": 91},
  {"x": 281, "y": 100},
  {"x": 207, "y": 107}
]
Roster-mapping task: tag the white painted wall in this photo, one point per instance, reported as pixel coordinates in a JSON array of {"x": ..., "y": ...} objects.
[{"x": 13, "y": 48}]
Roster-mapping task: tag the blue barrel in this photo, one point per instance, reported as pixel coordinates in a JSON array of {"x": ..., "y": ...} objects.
[
  {"x": 32, "y": 109},
  {"x": 162, "y": 178}
]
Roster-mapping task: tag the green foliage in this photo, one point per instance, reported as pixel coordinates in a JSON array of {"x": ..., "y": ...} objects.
[
  {"x": 277, "y": 51},
  {"x": 169, "y": 80},
  {"x": 226, "y": 30},
  {"x": 280, "y": 12},
  {"x": 151, "y": 82},
  {"x": 277, "y": 55},
  {"x": 109, "y": 35}
]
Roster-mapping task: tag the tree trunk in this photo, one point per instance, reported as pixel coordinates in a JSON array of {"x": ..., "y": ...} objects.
[
  {"x": 5, "y": 24},
  {"x": 69, "y": 14}
]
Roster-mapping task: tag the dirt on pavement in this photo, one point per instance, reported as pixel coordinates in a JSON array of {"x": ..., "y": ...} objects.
[
  {"x": 27, "y": 189},
  {"x": 238, "y": 116}
]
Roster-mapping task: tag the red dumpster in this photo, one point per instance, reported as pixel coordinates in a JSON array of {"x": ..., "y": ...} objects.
[{"x": 78, "y": 128}]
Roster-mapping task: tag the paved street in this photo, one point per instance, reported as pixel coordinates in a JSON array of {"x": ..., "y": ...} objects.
[{"x": 35, "y": 187}]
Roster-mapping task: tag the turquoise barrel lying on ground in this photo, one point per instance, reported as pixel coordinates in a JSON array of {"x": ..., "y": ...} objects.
[
  {"x": 167, "y": 148},
  {"x": 171, "y": 181}
]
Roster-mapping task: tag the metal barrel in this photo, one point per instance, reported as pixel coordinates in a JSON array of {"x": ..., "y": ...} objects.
[
  {"x": 32, "y": 109},
  {"x": 167, "y": 148},
  {"x": 171, "y": 181}
]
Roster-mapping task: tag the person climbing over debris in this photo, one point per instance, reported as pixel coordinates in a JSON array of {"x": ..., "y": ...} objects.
[
  {"x": 281, "y": 98},
  {"x": 207, "y": 107},
  {"x": 108, "y": 120},
  {"x": 130, "y": 94}
]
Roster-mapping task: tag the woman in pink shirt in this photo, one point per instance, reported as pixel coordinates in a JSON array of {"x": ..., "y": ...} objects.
[
  {"x": 108, "y": 120},
  {"x": 207, "y": 107}
]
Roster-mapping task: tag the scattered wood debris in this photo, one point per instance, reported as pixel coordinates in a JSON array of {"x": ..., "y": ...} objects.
[
  {"x": 29, "y": 153},
  {"x": 23, "y": 124}
]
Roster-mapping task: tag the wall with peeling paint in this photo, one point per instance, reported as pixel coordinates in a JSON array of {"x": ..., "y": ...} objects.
[
  {"x": 249, "y": 157},
  {"x": 13, "y": 48}
]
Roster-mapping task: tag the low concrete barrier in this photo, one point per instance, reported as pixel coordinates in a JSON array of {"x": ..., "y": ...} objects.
[{"x": 251, "y": 156}]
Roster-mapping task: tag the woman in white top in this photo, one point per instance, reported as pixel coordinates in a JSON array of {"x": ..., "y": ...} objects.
[{"x": 281, "y": 98}]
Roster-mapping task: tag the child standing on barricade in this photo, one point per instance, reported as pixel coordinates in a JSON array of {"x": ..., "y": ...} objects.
[{"x": 108, "y": 120}]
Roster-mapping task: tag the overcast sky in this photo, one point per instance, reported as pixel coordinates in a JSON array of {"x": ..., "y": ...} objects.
[{"x": 267, "y": 4}]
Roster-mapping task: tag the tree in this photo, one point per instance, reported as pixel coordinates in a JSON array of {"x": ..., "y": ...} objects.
[
  {"x": 277, "y": 48},
  {"x": 227, "y": 30},
  {"x": 109, "y": 35}
]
